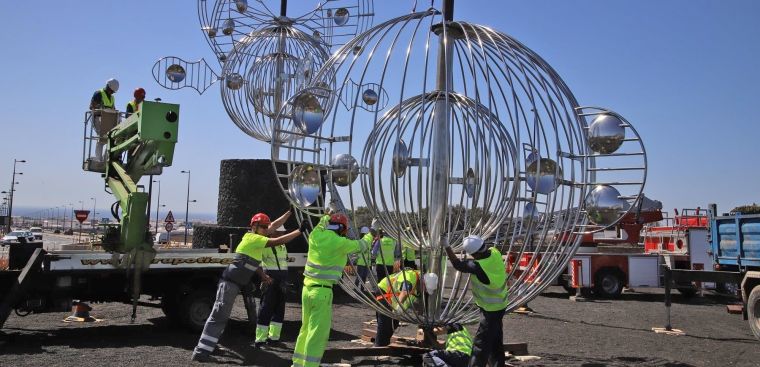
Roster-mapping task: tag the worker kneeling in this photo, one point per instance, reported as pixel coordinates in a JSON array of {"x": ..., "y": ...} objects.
[
  {"x": 237, "y": 277},
  {"x": 326, "y": 258},
  {"x": 401, "y": 291},
  {"x": 457, "y": 351}
]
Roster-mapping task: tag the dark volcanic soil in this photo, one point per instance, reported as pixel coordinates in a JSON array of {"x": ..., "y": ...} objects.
[{"x": 561, "y": 332}]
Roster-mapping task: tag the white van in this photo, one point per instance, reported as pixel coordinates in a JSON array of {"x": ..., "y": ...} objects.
[{"x": 162, "y": 238}]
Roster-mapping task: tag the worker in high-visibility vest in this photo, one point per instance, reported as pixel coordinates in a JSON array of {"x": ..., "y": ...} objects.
[
  {"x": 238, "y": 276},
  {"x": 400, "y": 291},
  {"x": 325, "y": 260},
  {"x": 489, "y": 289},
  {"x": 272, "y": 307},
  {"x": 457, "y": 351},
  {"x": 409, "y": 256},
  {"x": 104, "y": 117},
  {"x": 134, "y": 105},
  {"x": 385, "y": 250}
]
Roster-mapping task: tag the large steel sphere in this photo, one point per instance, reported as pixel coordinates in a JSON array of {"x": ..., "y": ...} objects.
[{"x": 606, "y": 134}]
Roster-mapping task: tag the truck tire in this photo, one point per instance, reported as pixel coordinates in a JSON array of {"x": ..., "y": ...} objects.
[
  {"x": 170, "y": 306},
  {"x": 753, "y": 311},
  {"x": 608, "y": 283},
  {"x": 688, "y": 292},
  {"x": 195, "y": 307}
]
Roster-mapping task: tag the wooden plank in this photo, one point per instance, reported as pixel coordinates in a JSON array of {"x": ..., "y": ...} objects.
[{"x": 735, "y": 309}]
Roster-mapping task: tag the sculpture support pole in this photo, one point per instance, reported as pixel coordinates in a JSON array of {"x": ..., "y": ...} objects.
[{"x": 439, "y": 170}]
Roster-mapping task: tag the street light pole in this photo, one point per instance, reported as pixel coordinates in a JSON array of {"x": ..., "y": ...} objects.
[
  {"x": 158, "y": 202},
  {"x": 92, "y": 222},
  {"x": 187, "y": 203},
  {"x": 71, "y": 219},
  {"x": 13, "y": 185}
]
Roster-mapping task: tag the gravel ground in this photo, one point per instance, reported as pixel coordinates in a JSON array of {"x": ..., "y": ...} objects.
[{"x": 560, "y": 332}]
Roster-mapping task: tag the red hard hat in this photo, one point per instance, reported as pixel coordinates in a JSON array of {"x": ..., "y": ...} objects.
[
  {"x": 260, "y": 219},
  {"x": 139, "y": 92},
  {"x": 340, "y": 219}
]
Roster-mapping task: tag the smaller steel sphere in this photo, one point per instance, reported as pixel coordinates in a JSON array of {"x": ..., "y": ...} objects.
[
  {"x": 211, "y": 31},
  {"x": 228, "y": 27},
  {"x": 604, "y": 205},
  {"x": 176, "y": 73},
  {"x": 242, "y": 5},
  {"x": 606, "y": 134},
  {"x": 369, "y": 96},
  {"x": 400, "y": 159},
  {"x": 304, "y": 185},
  {"x": 345, "y": 169},
  {"x": 308, "y": 114},
  {"x": 543, "y": 174},
  {"x": 341, "y": 16},
  {"x": 234, "y": 81}
]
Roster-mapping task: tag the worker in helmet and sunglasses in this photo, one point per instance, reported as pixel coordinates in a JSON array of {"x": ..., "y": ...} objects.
[
  {"x": 238, "y": 276},
  {"x": 326, "y": 258}
]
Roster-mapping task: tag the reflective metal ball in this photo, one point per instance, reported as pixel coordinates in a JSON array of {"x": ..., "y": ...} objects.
[
  {"x": 308, "y": 114},
  {"x": 345, "y": 169},
  {"x": 369, "y": 96},
  {"x": 543, "y": 175},
  {"x": 341, "y": 16},
  {"x": 234, "y": 81},
  {"x": 604, "y": 205},
  {"x": 176, "y": 73},
  {"x": 228, "y": 27},
  {"x": 606, "y": 134},
  {"x": 304, "y": 185},
  {"x": 242, "y": 5}
]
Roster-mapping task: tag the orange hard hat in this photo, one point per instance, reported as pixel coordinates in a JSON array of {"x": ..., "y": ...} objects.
[
  {"x": 260, "y": 219},
  {"x": 341, "y": 220},
  {"x": 139, "y": 93}
]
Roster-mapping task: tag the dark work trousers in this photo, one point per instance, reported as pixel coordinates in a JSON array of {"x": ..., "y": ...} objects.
[
  {"x": 385, "y": 328},
  {"x": 488, "y": 344},
  {"x": 226, "y": 293},
  {"x": 445, "y": 358},
  {"x": 361, "y": 275},
  {"x": 272, "y": 302},
  {"x": 382, "y": 271}
]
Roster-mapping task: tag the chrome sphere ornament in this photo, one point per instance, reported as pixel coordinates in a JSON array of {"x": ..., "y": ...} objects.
[
  {"x": 241, "y": 5},
  {"x": 175, "y": 73},
  {"x": 344, "y": 169},
  {"x": 308, "y": 115},
  {"x": 604, "y": 205},
  {"x": 234, "y": 81},
  {"x": 606, "y": 134},
  {"x": 304, "y": 185},
  {"x": 543, "y": 175},
  {"x": 228, "y": 27},
  {"x": 479, "y": 137}
]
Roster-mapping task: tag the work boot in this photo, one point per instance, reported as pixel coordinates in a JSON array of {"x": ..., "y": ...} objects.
[
  {"x": 202, "y": 357},
  {"x": 259, "y": 345}
]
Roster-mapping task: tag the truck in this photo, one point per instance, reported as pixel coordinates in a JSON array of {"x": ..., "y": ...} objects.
[{"x": 734, "y": 241}]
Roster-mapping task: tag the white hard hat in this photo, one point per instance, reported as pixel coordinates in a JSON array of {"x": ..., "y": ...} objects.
[
  {"x": 472, "y": 244},
  {"x": 113, "y": 84},
  {"x": 364, "y": 230}
]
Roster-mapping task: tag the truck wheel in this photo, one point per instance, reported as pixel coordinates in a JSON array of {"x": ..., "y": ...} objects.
[
  {"x": 753, "y": 311},
  {"x": 170, "y": 306},
  {"x": 195, "y": 308},
  {"x": 608, "y": 284}
]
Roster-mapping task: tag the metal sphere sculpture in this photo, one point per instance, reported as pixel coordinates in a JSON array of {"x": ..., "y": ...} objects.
[
  {"x": 457, "y": 130},
  {"x": 266, "y": 54}
]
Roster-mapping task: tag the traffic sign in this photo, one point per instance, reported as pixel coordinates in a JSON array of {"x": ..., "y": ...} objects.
[
  {"x": 168, "y": 226},
  {"x": 169, "y": 217},
  {"x": 81, "y": 215}
]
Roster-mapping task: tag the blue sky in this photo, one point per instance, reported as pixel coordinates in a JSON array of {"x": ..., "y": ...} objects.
[{"x": 684, "y": 72}]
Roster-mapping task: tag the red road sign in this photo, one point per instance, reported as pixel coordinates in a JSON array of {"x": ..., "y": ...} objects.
[
  {"x": 169, "y": 217},
  {"x": 168, "y": 226},
  {"x": 81, "y": 215}
]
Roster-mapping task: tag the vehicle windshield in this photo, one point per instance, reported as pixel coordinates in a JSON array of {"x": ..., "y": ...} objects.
[
  {"x": 16, "y": 233},
  {"x": 35, "y": 230}
]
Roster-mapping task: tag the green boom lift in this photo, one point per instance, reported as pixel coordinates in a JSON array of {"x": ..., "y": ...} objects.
[{"x": 140, "y": 145}]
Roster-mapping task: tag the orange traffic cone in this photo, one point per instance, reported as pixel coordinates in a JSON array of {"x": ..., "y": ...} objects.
[{"x": 80, "y": 313}]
